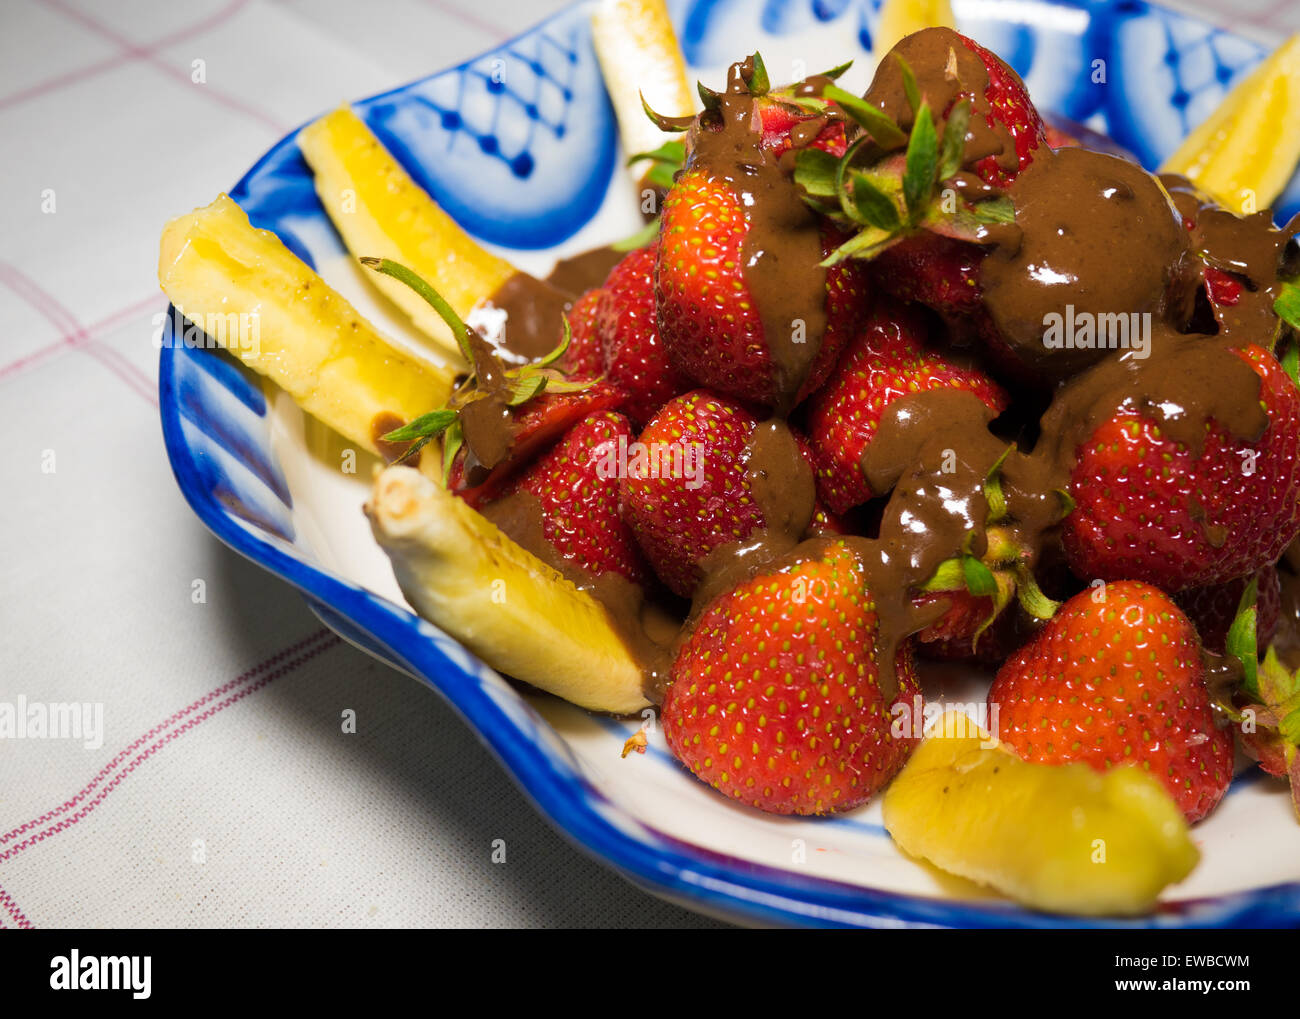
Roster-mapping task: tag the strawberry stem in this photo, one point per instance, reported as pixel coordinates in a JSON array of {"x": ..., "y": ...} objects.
[{"x": 399, "y": 272}]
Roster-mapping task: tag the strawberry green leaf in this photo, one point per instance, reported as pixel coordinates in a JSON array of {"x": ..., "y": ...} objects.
[
  {"x": 451, "y": 443},
  {"x": 1242, "y": 642},
  {"x": 993, "y": 495},
  {"x": 910, "y": 87},
  {"x": 979, "y": 578},
  {"x": 672, "y": 125},
  {"x": 876, "y": 122},
  {"x": 426, "y": 426},
  {"x": 759, "y": 83},
  {"x": 523, "y": 388},
  {"x": 864, "y": 245},
  {"x": 710, "y": 98},
  {"x": 995, "y": 211},
  {"x": 815, "y": 172},
  {"x": 835, "y": 72},
  {"x": 1031, "y": 596},
  {"x": 560, "y": 347},
  {"x": 922, "y": 161},
  {"x": 1287, "y": 305},
  {"x": 669, "y": 152},
  {"x": 873, "y": 206},
  {"x": 954, "y": 139},
  {"x": 1291, "y": 361}
]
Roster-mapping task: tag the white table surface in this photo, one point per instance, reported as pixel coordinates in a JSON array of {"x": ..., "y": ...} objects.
[{"x": 224, "y": 791}]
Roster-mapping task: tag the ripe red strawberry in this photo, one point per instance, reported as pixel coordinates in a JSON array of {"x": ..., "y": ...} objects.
[
  {"x": 536, "y": 425},
  {"x": 779, "y": 119},
  {"x": 579, "y": 501},
  {"x": 966, "y": 614},
  {"x": 680, "y": 520},
  {"x": 709, "y": 318},
  {"x": 776, "y": 695},
  {"x": 586, "y": 353},
  {"x": 1003, "y": 105},
  {"x": 937, "y": 261},
  {"x": 1147, "y": 508},
  {"x": 1212, "y": 609},
  {"x": 887, "y": 359},
  {"x": 633, "y": 357},
  {"x": 1114, "y": 680}
]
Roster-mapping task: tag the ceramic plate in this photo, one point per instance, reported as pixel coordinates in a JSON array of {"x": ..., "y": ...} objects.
[{"x": 520, "y": 145}]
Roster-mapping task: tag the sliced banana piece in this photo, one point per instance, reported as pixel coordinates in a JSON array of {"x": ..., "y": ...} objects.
[
  {"x": 639, "y": 55},
  {"x": 380, "y": 211},
  {"x": 1245, "y": 152},
  {"x": 503, "y": 603},
  {"x": 899, "y": 18},
  {"x": 291, "y": 326},
  {"x": 1063, "y": 838}
]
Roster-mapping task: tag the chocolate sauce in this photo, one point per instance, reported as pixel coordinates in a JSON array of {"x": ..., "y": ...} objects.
[
  {"x": 1250, "y": 248},
  {"x": 648, "y": 628},
  {"x": 946, "y": 71},
  {"x": 380, "y": 425},
  {"x": 782, "y": 249},
  {"x": 1071, "y": 206},
  {"x": 586, "y": 271},
  {"x": 534, "y": 324}
]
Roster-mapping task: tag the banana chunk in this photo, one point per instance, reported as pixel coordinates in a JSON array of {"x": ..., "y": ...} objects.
[
  {"x": 380, "y": 211},
  {"x": 503, "y": 603},
  {"x": 1062, "y": 838},
  {"x": 300, "y": 333}
]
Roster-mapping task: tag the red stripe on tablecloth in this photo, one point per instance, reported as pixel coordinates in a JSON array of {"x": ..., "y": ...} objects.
[
  {"x": 145, "y": 55},
  {"x": 90, "y": 70},
  {"x": 168, "y": 737},
  {"x": 12, "y": 909},
  {"x": 75, "y": 335},
  {"x": 79, "y": 337},
  {"x": 166, "y": 723}
]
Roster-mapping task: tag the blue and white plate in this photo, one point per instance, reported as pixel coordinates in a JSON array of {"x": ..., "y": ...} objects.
[{"x": 520, "y": 145}]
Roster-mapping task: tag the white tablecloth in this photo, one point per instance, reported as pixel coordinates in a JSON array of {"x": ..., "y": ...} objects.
[{"x": 223, "y": 791}]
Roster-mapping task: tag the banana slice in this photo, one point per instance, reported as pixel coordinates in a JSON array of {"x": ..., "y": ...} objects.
[
  {"x": 1062, "y": 838},
  {"x": 639, "y": 55},
  {"x": 380, "y": 211},
  {"x": 1245, "y": 152},
  {"x": 503, "y": 603},
  {"x": 291, "y": 327},
  {"x": 899, "y": 18}
]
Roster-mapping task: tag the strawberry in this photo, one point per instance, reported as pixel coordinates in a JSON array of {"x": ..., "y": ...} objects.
[
  {"x": 709, "y": 318},
  {"x": 1116, "y": 677},
  {"x": 1212, "y": 609},
  {"x": 633, "y": 357},
  {"x": 780, "y": 119},
  {"x": 680, "y": 520},
  {"x": 586, "y": 353},
  {"x": 886, "y": 360},
  {"x": 579, "y": 501},
  {"x": 776, "y": 696},
  {"x": 936, "y": 57},
  {"x": 1148, "y": 508},
  {"x": 534, "y": 426}
]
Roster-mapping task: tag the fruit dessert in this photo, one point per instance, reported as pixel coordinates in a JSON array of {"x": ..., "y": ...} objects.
[{"x": 889, "y": 377}]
